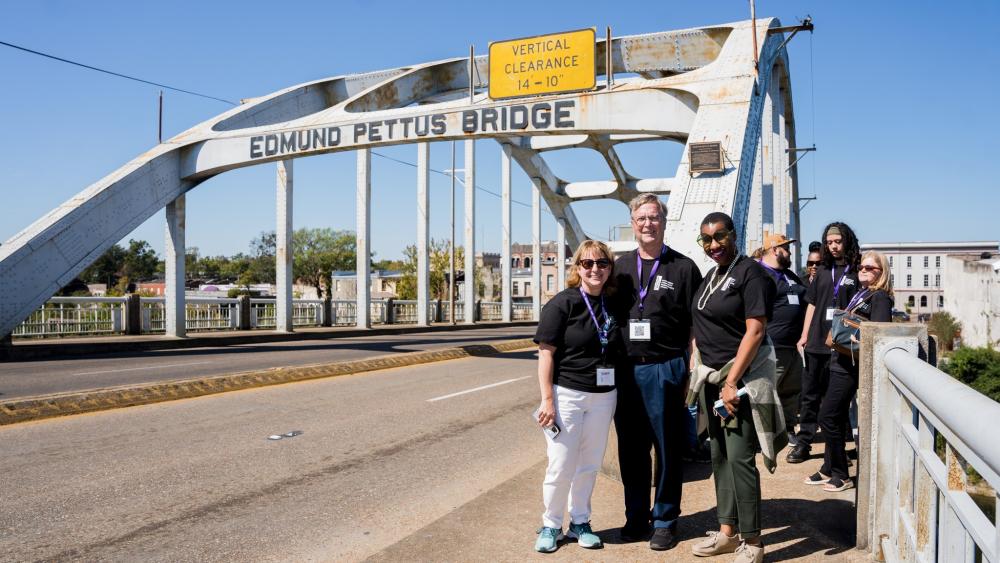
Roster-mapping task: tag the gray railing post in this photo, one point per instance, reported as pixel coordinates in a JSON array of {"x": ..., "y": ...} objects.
[
  {"x": 133, "y": 314},
  {"x": 876, "y": 410},
  {"x": 390, "y": 314},
  {"x": 243, "y": 304}
]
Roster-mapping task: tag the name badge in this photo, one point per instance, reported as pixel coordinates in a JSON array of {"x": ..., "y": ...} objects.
[
  {"x": 605, "y": 377},
  {"x": 638, "y": 330},
  {"x": 829, "y": 313},
  {"x": 793, "y": 299}
]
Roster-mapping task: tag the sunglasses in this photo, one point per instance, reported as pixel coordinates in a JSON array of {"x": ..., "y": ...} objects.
[
  {"x": 866, "y": 268},
  {"x": 812, "y": 263},
  {"x": 720, "y": 236},
  {"x": 602, "y": 263}
]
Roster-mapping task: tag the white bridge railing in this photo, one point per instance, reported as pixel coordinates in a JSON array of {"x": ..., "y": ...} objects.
[
  {"x": 934, "y": 450},
  {"x": 82, "y": 316}
]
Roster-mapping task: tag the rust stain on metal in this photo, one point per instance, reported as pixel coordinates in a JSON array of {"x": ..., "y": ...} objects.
[{"x": 956, "y": 474}]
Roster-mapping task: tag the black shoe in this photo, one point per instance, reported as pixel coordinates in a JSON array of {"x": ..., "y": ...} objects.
[
  {"x": 662, "y": 540},
  {"x": 798, "y": 454},
  {"x": 700, "y": 455},
  {"x": 630, "y": 533}
]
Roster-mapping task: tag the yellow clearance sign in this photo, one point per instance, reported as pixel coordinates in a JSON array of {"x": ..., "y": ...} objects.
[{"x": 544, "y": 64}]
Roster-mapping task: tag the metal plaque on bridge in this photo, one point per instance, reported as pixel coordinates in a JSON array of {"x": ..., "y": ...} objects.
[
  {"x": 705, "y": 157},
  {"x": 543, "y": 64}
]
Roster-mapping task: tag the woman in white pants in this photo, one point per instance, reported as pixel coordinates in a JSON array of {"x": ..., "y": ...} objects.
[{"x": 578, "y": 346}]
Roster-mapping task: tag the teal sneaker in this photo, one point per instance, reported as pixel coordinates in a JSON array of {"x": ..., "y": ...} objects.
[
  {"x": 584, "y": 536},
  {"x": 548, "y": 539}
]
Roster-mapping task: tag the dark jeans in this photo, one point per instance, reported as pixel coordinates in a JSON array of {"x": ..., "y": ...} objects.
[
  {"x": 734, "y": 467},
  {"x": 814, "y": 381},
  {"x": 651, "y": 412},
  {"x": 834, "y": 418},
  {"x": 789, "y": 384}
]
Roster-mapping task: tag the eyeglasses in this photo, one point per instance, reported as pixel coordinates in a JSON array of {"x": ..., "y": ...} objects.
[
  {"x": 812, "y": 263},
  {"x": 867, "y": 268},
  {"x": 651, "y": 219},
  {"x": 602, "y": 263},
  {"x": 720, "y": 236}
]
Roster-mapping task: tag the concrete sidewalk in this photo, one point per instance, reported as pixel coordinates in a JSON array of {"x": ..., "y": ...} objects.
[{"x": 801, "y": 522}]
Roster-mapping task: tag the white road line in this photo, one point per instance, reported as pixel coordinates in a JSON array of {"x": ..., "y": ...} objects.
[
  {"x": 137, "y": 369},
  {"x": 443, "y": 397}
]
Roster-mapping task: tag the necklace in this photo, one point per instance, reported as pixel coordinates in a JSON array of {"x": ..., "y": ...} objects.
[{"x": 710, "y": 289}]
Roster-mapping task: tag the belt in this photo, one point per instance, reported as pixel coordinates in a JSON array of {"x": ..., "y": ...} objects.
[{"x": 639, "y": 360}]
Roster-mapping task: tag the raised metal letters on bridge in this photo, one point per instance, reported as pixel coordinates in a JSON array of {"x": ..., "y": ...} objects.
[{"x": 691, "y": 85}]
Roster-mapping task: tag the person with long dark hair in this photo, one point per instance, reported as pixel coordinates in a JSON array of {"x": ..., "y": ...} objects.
[{"x": 835, "y": 284}]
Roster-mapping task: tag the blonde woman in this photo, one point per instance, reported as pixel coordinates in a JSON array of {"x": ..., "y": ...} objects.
[
  {"x": 873, "y": 302},
  {"x": 578, "y": 348}
]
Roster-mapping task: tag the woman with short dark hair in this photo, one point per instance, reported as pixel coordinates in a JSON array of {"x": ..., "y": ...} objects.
[{"x": 731, "y": 311}]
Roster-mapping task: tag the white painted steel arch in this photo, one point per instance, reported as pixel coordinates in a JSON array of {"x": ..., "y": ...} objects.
[{"x": 690, "y": 85}]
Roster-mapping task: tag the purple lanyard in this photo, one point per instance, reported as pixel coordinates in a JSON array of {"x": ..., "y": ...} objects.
[
  {"x": 652, "y": 272},
  {"x": 602, "y": 332},
  {"x": 777, "y": 275},
  {"x": 836, "y": 286},
  {"x": 857, "y": 299}
]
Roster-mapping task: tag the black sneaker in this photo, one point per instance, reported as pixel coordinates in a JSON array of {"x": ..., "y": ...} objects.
[
  {"x": 662, "y": 540},
  {"x": 798, "y": 454},
  {"x": 631, "y": 533}
]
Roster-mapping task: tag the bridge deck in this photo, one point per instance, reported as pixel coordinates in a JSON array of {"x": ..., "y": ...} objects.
[{"x": 801, "y": 522}]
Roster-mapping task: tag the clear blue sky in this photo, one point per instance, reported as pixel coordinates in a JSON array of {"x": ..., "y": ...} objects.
[{"x": 900, "y": 98}]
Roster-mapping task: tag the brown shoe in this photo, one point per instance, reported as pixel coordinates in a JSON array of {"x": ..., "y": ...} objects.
[
  {"x": 747, "y": 553},
  {"x": 716, "y": 543}
]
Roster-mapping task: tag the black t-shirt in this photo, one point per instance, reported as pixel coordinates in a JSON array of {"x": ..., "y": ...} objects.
[
  {"x": 566, "y": 324},
  {"x": 719, "y": 325},
  {"x": 820, "y": 294},
  {"x": 875, "y": 307},
  {"x": 785, "y": 327},
  {"x": 667, "y": 305}
]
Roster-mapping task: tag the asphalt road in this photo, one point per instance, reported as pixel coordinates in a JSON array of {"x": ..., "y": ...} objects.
[
  {"x": 43, "y": 377},
  {"x": 199, "y": 480}
]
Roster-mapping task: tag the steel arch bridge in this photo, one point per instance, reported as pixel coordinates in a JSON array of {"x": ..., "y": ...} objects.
[{"x": 728, "y": 83}]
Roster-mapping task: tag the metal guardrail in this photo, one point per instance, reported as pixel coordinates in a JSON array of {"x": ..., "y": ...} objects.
[
  {"x": 932, "y": 432},
  {"x": 74, "y": 316},
  {"x": 81, "y": 316}
]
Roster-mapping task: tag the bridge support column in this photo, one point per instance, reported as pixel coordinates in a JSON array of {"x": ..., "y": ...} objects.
[
  {"x": 505, "y": 299},
  {"x": 560, "y": 255},
  {"x": 174, "y": 261},
  {"x": 423, "y": 220},
  {"x": 364, "y": 218},
  {"x": 536, "y": 248},
  {"x": 283, "y": 251},
  {"x": 470, "y": 231}
]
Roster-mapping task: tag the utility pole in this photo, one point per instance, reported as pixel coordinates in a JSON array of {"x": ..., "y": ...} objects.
[{"x": 451, "y": 245}]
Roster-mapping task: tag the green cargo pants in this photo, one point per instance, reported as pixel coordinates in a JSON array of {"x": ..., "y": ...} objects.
[{"x": 734, "y": 467}]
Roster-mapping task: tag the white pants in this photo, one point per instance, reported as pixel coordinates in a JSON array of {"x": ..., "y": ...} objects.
[{"x": 576, "y": 454}]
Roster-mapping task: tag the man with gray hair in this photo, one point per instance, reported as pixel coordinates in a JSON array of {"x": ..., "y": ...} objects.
[{"x": 656, "y": 286}]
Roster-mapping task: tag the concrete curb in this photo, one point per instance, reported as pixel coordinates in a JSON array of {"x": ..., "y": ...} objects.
[
  {"x": 64, "y": 404},
  {"x": 32, "y": 350}
]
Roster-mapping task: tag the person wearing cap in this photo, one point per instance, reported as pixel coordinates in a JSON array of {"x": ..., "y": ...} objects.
[{"x": 786, "y": 324}]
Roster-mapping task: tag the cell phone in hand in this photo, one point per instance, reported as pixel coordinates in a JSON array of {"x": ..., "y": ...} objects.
[
  {"x": 552, "y": 430},
  {"x": 720, "y": 407}
]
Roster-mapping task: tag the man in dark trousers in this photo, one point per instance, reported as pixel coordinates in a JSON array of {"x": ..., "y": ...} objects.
[
  {"x": 656, "y": 285},
  {"x": 785, "y": 327},
  {"x": 835, "y": 283}
]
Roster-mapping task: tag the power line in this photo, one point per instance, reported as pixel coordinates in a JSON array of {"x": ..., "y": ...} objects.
[
  {"x": 118, "y": 74},
  {"x": 478, "y": 187}
]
